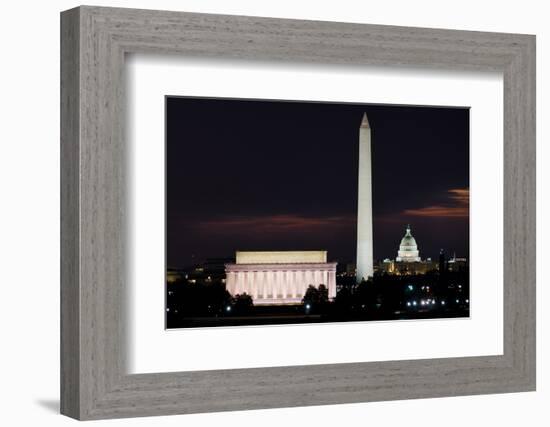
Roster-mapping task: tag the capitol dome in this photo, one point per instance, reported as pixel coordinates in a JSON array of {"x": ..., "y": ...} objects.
[
  {"x": 408, "y": 250},
  {"x": 408, "y": 240}
]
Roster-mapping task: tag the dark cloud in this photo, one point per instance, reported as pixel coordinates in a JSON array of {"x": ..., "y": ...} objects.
[
  {"x": 274, "y": 224},
  {"x": 457, "y": 206}
]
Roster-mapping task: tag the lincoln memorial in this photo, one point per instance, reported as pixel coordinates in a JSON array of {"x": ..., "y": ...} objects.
[{"x": 279, "y": 277}]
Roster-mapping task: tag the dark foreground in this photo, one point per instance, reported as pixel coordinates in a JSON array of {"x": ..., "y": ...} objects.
[
  {"x": 284, "y": 315},
  {"x": 387, "y": 297}
]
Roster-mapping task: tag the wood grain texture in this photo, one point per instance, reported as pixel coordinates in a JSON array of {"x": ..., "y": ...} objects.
[
  {"x": 94, "y": 382},
  {"x": 70, "y": 314}
]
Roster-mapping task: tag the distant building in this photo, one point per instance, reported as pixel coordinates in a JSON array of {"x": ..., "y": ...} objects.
[
  {"x": 274, "y": 278},
  {"x": 457, "y": 264},
  {"x": 408, "y": 259},
  {"x": 212, "y": 270},
  {"x": 173, "y": 275},
  {"x": 408, "y": 249},
  {"x": 351, "y": 269},
  {"x": 442, "y": 262}
]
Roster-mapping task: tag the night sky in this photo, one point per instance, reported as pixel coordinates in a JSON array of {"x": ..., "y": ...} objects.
[{"x": 272, "y": 175}]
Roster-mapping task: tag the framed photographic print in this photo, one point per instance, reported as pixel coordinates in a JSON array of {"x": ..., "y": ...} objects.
[
  {"x": 348, "y": 211},
  {"x": 300, "y": 205}
]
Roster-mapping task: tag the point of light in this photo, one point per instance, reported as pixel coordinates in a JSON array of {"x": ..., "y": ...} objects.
[
  {"x": 228, "y": 308},
  {"x": 308, "y": 306},
  {"x": 408, "y": 303},
  {"x": 442, "y": 302},
  {"x": 457, "y": 301},
  {"x": 414, "y": 302},
  {"x": 467, "y": 301}
]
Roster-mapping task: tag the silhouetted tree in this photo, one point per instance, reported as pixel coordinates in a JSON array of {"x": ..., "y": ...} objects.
[
  {"x": 243, "y": 303},
  {"x": 311, "y": 296},
  {"x": 323, "y": 294},
  {"x": 316, "y": 298},
  {"x": 196, "y": 299}
]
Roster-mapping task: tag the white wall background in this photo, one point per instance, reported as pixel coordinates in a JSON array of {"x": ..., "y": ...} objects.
[{"x": 29, "y": 214}]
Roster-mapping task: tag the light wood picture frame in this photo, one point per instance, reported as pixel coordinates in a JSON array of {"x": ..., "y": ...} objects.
[{"x": 94, "y": 380}]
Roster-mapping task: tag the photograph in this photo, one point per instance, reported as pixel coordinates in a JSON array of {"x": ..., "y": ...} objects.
[{"x": 292, "y": 212}]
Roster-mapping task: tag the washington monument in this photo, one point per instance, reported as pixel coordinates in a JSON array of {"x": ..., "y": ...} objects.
[{"x": 365, "y": 267}]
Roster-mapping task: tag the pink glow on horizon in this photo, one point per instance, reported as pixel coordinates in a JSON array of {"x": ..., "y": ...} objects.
[
  {"x": 277, "y": 224},
  {"x": 458, "y": 208}
]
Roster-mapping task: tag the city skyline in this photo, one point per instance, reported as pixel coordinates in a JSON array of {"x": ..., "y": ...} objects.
[{"x": 262, "y": 175}]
